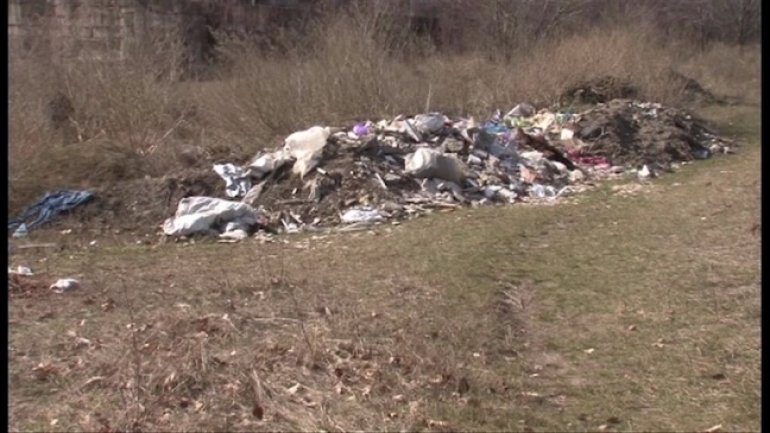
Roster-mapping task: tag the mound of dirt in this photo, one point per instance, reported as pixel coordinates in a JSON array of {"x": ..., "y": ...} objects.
[
  {"x": 635, "y": 133},
  {"x": 598, "y": 90},
  {"x": 139, "y": 206},
  {"x": 26, "y": 287}
]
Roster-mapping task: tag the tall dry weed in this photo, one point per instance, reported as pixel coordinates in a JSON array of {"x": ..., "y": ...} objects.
[{"x": 120, "y": 116}]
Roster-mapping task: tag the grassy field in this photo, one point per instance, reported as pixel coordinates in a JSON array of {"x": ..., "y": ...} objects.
[{"x": 623, "y": 312}]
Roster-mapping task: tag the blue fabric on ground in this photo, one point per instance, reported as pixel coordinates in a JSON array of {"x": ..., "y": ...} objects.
[{"x": 49, "y": 206}]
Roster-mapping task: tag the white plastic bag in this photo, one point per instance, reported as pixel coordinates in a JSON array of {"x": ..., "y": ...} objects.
[
  {"x": 429, "y": 123},
  {"x": 201, "y": 214},
  {"x": 307, "y": 148},
  {"x": 268, "y": 162},
  {"x": 367, "y": 215},
  {"x": 237, "y": 182},
  {"x": 427, "y": 163}
]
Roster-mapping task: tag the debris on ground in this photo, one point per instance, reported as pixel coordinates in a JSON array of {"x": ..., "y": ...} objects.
[
  {"x": 65, "y": 285},
  {"x": 25, "y": 286},
  {"x": 46, "y": 208},
  {"x": 206, "y": 214},
  {"x": 20, "y": 270},
  {"x": 375, "y": 171}
]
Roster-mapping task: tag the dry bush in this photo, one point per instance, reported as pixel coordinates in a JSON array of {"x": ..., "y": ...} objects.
[
  {"x": 339, "y": 71},
  {"x": 726, "y": 70}
]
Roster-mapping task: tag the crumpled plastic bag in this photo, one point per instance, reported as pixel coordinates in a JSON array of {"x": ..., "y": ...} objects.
[
  {"x": 307, "y": 148},
  {"x": 426, "y": 163},
  {"x": 237, "y": 181},
  {"x": 65, "y": 285},
  {"x": 202, "y": 214},
  {"x": 269, "y": 162},
  {"x": 429, "y": 123},
  {"x": 364, "y": 214},
  {"x": 46, "y": 208}
]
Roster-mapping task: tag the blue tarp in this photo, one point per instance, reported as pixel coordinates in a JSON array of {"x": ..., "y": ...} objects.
[{"x": 46, "y": 208}]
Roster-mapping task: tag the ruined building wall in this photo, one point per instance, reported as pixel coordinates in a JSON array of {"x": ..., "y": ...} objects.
[{"x": 69, "y": 28}]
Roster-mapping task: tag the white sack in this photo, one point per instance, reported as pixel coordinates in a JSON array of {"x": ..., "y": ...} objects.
[
  {"x": 307, "y": 148},
  {"x": 200, "y": 214},
  {"x": 427, "y": 163}
]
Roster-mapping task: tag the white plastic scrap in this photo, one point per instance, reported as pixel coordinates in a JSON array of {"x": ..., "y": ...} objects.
[
  {"x": 20, "y": 270},
  {"x": 543, "y": 121},
  {"x": 559, "y": 166},
  {"x": 474, "y": 160},
  {"x": 65, "y": 285},
  {"x": 543, "y": 191},
  {"x": 521, "y": 110},
  {"x": 645, "y": 172},
  {"x": 268, "y": 162},
  {"x": 363, "y": 214},
  {"x": 21, "y": 231},
  {"x": 237, "y": 234},
  {"x": 491, "y": 190},
  {"x": 429, "y": 122},
  {"x": 532, "y": 156},
  {"x": 576, "y": 176},
  {"x": 237, "y": 182},
  {"x": 201, "y": 214},
  {"x": 506, "y": 195}
]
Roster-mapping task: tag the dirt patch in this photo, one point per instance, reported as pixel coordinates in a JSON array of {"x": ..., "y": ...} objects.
[
  {"x": 20, "y": 286},
  {"x": 633, "y": 133},
  {"x": 632, "y": 189},
  {"x": 597, "y": 90},
  {"x": 139, "y": 206}
]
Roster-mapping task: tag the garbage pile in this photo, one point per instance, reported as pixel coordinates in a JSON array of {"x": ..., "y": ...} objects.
[{"x": 393, "y": 169}]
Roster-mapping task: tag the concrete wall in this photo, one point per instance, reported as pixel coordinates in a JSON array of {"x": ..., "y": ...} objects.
[
  {"x": 104, "y": 28},
  {"x": 83, "y": 27}
]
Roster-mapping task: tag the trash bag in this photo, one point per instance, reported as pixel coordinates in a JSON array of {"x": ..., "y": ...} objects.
[
  {"x": 203, "y": 214},
  {"x": 429, "y": 123},
  {"x": 308, "y": 140},
  {"x": 427, "y": 163},
  {"x": 46, "y": 208},
  {"x": 268, "y": 163},
  {"x": 307, "y": 148},
  {"x": 237, "y": 182}
]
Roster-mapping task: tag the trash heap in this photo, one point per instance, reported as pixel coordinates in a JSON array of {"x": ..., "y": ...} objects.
[{"x": 396, "y": 169}]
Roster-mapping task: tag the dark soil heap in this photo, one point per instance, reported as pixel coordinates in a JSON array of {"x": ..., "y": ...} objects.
[{"x": 635, "y": 133}]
